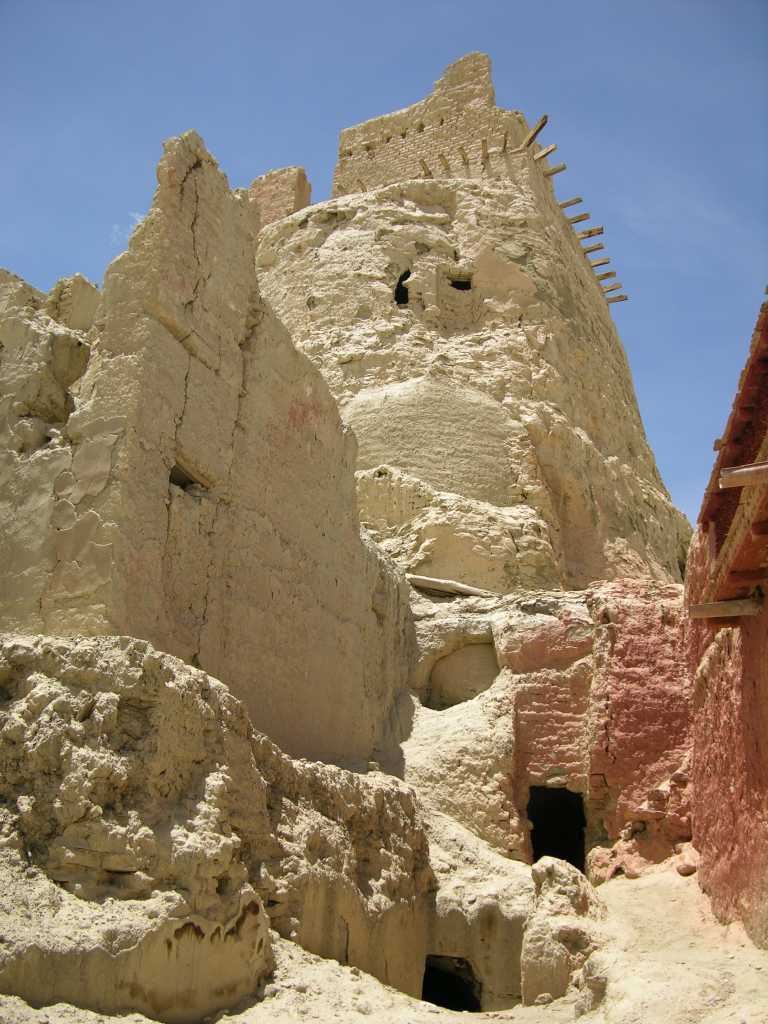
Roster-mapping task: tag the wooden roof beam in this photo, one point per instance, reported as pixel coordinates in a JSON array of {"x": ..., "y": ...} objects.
[
  {"x": 533, "y": 134},
  {"x": 727, "y": 609},
  {"x": 754, "y": 475}
]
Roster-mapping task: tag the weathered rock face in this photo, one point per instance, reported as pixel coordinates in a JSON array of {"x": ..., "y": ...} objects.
[
  {"x": 581, "y": 693},
  {"x": 183, "y": 476},
  {"x": 158, "y": 827},
  {"x": 470, "y": 347}
]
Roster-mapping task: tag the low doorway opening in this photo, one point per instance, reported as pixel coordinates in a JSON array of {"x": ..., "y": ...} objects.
[
  {"x": 557, "y": 816},
  {"x": 449, "y": 981}
]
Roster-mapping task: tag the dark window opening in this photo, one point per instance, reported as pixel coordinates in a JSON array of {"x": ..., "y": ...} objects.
[
  {"x": 401, "y": 289},
  {"x": 461, "y": 284},
  {"x": 449, "y": 981},
  {"x": 180, "y": 478},
  {"x": 557, "y": 816}
]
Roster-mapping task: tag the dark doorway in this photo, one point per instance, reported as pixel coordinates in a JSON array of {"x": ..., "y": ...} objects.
[
  {"x": 401, "y": 289},
  {"x": 449, "y": 981},
  {"x": 557, "y": 816}
]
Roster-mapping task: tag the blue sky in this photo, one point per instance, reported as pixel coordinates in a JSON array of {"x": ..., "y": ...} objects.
[{"x": 659, "y": 108}]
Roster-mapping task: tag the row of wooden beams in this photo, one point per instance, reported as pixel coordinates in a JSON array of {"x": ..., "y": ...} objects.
[
  {"x": 727, "y": 609},
  {"x": 744, "y": 476}
]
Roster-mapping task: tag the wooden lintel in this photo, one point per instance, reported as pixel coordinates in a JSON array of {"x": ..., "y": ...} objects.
[
  {"x": 545, "y": 152},
  {"x": 555, "y": 170},
  {"x": 748, "y": 575},
  {"x": 600, "y": 263},
  {"x": 606, "y": 275},
  {"x": 533, "y": 134},
  {"x": 612, "y": 287},
  {"x": 753, "y": 475},
  {"x": 759, "y": 528},
  {"x": 590, "y": 232},
  {"x": 570, "y": 202},
  {"x": 618, "y": 298},
  {"x": 445, "y": 586},
  {"x": 593, "y": 248},
  {"x": 727, "y": 609},
  {"x": 578, "y": 219}
]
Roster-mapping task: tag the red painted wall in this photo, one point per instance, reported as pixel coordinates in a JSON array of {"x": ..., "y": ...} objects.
[{"x": 730, "y": 759}]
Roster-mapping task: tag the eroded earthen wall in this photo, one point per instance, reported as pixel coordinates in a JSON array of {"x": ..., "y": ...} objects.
[
  {"x": 198, "y": 490},
  {"x": 456, "y": 132},
  {"x": 498, "y": 430}
]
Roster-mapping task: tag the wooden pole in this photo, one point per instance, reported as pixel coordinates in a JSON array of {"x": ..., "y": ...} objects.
[
  {"x": 593, "y": 248},
  {"x": 727, "y": 609},
  {"x": 579, "y": 218},
  {"x": 570, "y": 202},
  {"x": 554, "y": 170},
  {"x": 617, "y": 298},
  {"x": 532, "y": 135},
  {"x": 544, "y": 152},
  {"x": 590, "y": 232},
  {"x": 604, "y": 277},
  {"x": 612, "y": 287},
  {"x": 599, "y": 263},
  {"x": 745, "y": 476}
]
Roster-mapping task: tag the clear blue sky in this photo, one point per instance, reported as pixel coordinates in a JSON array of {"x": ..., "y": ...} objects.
[{"x": 659, "y": 107}]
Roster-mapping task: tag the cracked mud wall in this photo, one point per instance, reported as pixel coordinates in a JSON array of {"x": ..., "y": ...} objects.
[{"x": 201, "y": 493}]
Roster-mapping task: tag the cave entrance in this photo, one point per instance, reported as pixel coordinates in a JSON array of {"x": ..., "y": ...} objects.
[
  {"x": 449, "y": 981},
  {"x": 557, "y": 816}
]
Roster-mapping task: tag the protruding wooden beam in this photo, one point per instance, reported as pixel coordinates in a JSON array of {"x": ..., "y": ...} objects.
[
  {"x": 754, "y": 475},
  {"x": 578, "y": 219},
  {"x": 617, "y": 298},
  {"x": 445, "y": 586},
  {"x": 425, "y": 168},
  {"x": 748, "y": 575},
  {"x": 606, "y": 275},
  {"x": 591, "y": 232},
  {"x": 533, "y": 134},
  {"x": 554, "y": 170},
  {"x": 727, "y": 609},
  {"x": 463, "y": 155},
  {"x": 600, "y": 263},
  {"x": 444, "y": 162},
  {"x": 570, "y": 202},
  {"x": 593, "y": 248},
  {"x": 612, "y": 287},
  {"x": 545, "y": 152},
  {"x": 484, "y": 151}
]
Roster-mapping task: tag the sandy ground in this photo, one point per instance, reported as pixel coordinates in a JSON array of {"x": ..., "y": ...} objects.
[{"x": 669, "y": 962}]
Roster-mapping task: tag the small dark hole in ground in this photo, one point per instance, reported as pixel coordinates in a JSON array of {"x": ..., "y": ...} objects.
[
  {"x": 557, "y": 816},
  {"x": 461, "y": 284},
  {"x": 401, "y": 289},
  {"x": 449, "y": 981}
]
